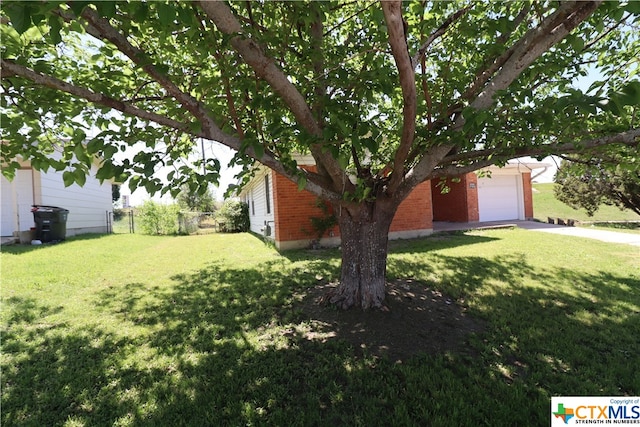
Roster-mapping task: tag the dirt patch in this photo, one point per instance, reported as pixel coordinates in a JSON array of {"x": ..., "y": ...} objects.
[{"x": 419, "y": 320}]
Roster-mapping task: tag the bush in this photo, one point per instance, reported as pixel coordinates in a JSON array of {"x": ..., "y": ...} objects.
[
  {"x": 119, "y": 213},
  {"x": 156, "y": 218},
  {"x": 233, "y": 217}
]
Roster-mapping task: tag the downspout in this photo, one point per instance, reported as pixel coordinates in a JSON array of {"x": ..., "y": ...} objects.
[{"x": 539, "y": 173}]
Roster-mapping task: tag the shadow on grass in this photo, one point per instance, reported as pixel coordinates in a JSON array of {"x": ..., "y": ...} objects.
[
  {"x": 17, "y": 249},
  {"x": 227, "y": 346}
]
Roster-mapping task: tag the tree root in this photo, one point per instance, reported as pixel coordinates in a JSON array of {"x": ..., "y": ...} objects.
[{"x": 346, "y": 300}]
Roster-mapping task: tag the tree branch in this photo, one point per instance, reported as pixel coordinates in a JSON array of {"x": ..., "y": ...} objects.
[
  {"x": 99, "y": 99},
  {"x": 536, "y": 42},
  {"x": 222, "y": 16},
  {"x": 397, "y": 40},
  {"x": 484, "y": 75},
  {"x": 106, "y": 31},
  {"x": 96, "y": 98},
  {"x": 452, "y": 170},
  {"x": 422, "y": 170},
  {"x": 437, "y": 33},
  {"x": 629, "y": 138}
]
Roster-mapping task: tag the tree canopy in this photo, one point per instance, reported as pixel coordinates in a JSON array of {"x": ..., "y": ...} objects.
[
  {"x": 196, "y": 201},
  {"x": 383, "y": 95},
  {"x": 397, "y": 92},
  {"x": 612, "y": 178}
]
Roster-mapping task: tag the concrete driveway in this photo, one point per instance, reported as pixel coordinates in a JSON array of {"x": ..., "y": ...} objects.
[
  {"x": 590, "y": 233},
  {"x": 603, "y": 235}
]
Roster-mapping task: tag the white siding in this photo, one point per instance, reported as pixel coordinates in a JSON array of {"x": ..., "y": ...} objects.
[
  {"x": 88, "y": 205},
  {"x": 17, "y": 198},
  {"x": 254, "y": 193}
]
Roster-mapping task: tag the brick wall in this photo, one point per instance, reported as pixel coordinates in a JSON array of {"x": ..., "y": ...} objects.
[
  {"x": 415, "y": 211},
  {"x": 527, "y": 195},
  {"x": 293, "y": 210},
  {"x": 473, "y": 211},
  {"x": 460, "y": 204},
  {"x": 450, "y": 206}
]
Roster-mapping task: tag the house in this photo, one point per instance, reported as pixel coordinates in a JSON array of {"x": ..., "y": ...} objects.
[
  {"x": 279, "y": 211},
  {"x": 90, "y": 206}
]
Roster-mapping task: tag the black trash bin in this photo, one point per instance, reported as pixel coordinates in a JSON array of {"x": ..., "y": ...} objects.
[{"x": 51, "y": 223}]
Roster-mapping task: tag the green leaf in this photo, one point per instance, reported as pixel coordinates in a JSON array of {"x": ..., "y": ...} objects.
[
  {"x": 343, "y": 161},
  {"x": 162, "y": 69},
  {"x": 20, "y": 16},
  {"x": 68, "y": 178},
  {"x": 109, "y": 151},
  {"x": 166, "y": 14},
  {"x": 141, "y": 11},
  {"x": 258, "y": 149},
  {"x": 106, "y": 9},
  {"x": 133, "y": 183},
  {"x": 78, "y": 6},
  {"x": 302, "y": 182},
  {"x": 79, "y": 136},
  {"x": 632, "y": 90},
  {"x": 78, "y": 150},
  {"x": 81, "y": 154},
  {"x": 633, "y": 7},
  {"x": 151, "y": 187},
  {"x": 80, "y": 176},
  {"x": 94, "y": 146},
  {"x": 195, "y": 127},
  {"x": 371, "y": 144},
  {"x": 576, "y": 43},
  {"x": 55, "y": 25},
  {"x": 106, "y": 171}
]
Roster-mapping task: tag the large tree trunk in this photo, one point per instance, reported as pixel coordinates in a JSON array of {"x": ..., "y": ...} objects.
[{"x": 364, "y": 232}]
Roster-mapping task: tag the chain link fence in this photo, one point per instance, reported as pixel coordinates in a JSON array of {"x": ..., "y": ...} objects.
[{"x": 124, "y": 221}]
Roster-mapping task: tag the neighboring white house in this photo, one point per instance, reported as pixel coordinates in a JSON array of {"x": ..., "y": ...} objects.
[
  {"x": 258, "y": 195},
  {"x": 90, "y": 206}
]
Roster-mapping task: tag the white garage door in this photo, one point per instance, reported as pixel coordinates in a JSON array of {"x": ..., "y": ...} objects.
[
  {"x": 7, "y": 208},
  {"x": 17, "y": 194},
  {"x": 499, "y": 197}
]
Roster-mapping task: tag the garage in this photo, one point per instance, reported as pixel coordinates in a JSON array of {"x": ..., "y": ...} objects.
[
  {"x": 500, "y": 198},
  {"x": 17, "y": 198}
]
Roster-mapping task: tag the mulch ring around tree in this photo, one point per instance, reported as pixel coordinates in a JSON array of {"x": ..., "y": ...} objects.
[{"x": 417, "y": 320}]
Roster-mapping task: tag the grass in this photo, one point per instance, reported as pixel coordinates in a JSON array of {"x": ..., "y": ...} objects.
[
  {"x": 546, "y": 205},
  {"x": 202, "y": 330}
]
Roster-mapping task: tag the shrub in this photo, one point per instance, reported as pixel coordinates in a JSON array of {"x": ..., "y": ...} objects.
[
  {"x": 118, "y": 214},
  {"x": 156, "y": 218},
  {"x": 233, "y": 216},
  {"x": 323, "y": 223},
  {"x": 191, "y": 200}
]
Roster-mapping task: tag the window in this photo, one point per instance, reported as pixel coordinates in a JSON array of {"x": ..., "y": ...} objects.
[{"x": 266, "y": 193}]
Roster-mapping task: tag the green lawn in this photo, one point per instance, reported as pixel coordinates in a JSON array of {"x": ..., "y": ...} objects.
[
  {"x": 200, "y": 330},
  {"x": 546, "y": 205}
]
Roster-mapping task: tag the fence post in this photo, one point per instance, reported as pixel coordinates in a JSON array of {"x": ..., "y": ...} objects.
[
  {"x": 131, "y": 223},
  {"x": 109, "y": 222}
]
